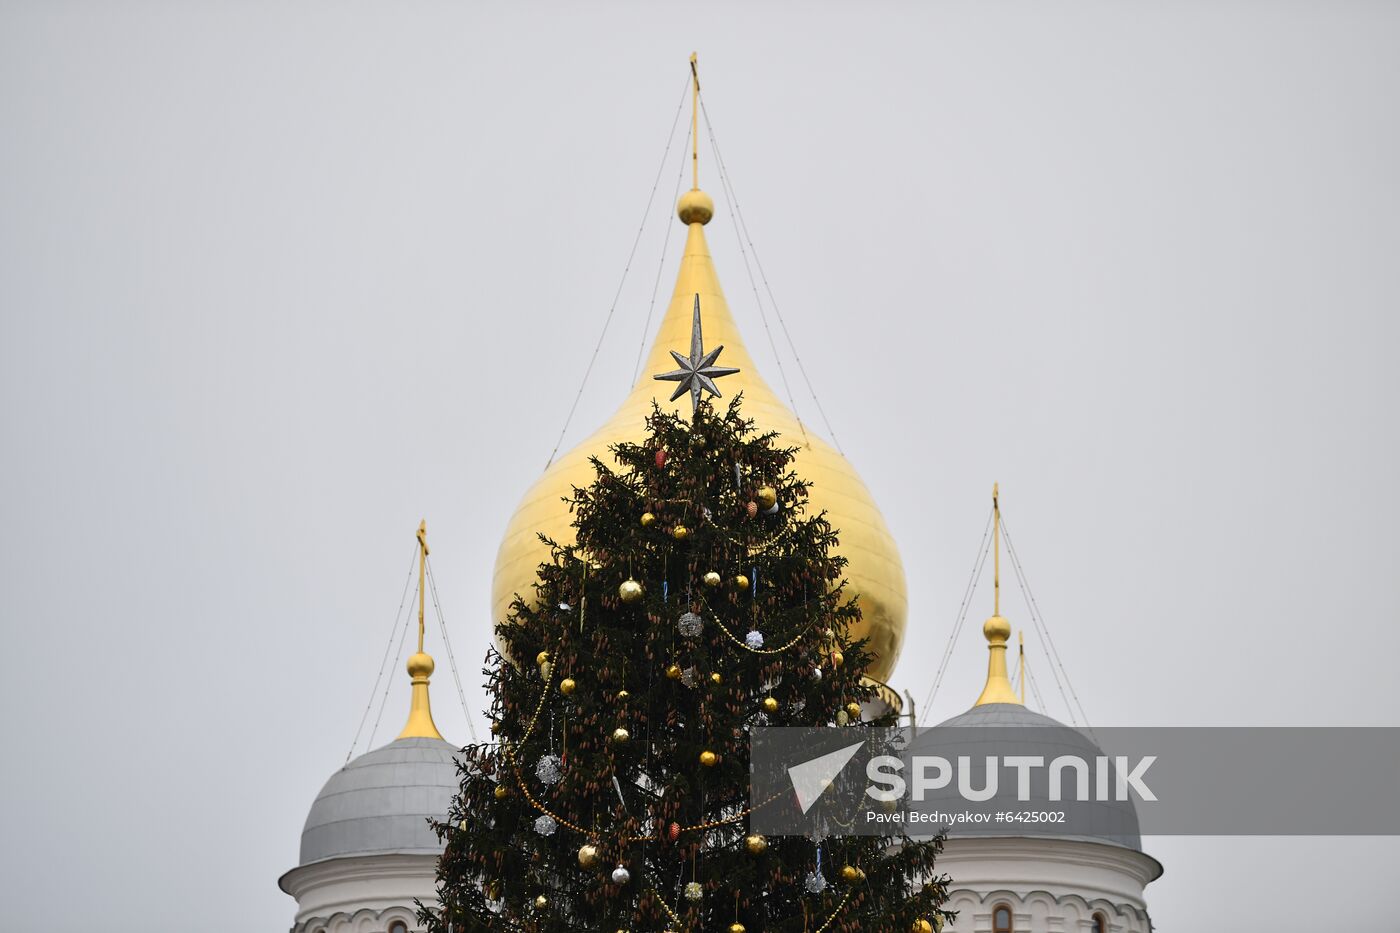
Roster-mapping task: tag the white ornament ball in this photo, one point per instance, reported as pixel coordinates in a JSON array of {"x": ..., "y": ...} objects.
[
  {"x": 815, "y": 883},
  {"x": 545, "y": 825},
  {"x": 621, "y": 875},
  {"x": 693, "y": 892},
  {"x": 550, "y": 769},
  {"x": 754, "y": 639},
  {"x": 690, "y": 624}
]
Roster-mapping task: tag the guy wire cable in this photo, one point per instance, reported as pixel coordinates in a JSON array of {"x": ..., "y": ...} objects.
[
  {"x": 447, "y": 643},
  {"x": 660, "y": 267},
  {"x": 403, "y": 599},
  {"x": 968, "y": 591},
  {"x": 768, "y": 288},
  {"x": 390, "y": 681},
  {"x": 1042, "y": 627},
  {"x": 731, "y": 204},
  {"x": 630, "y": 256}
]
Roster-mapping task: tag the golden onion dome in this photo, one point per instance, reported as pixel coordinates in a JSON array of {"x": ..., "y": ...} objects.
[{"x": 874, "y": 571}]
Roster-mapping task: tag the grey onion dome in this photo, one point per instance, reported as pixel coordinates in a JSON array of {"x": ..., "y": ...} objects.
[
  {"x": 380, "y": 803},
  {"x": 1113, "y": 822}
]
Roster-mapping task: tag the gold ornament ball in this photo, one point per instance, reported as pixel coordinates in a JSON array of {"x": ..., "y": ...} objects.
[
  {"x": 741, "y": 582},
  {"x": 541, "y": 902},
  {"x": 736, "y": 927},
  {"x": 716, "y": 678},
  {"x": 629, "y": 591},
  {"x": 495, "y": 727},
  {"x": 756, "y": 844},
  {"x": 589, "y": 856},
  {"x": 853, "y": 709},
  {"x": 837, "y": 659},
  {"x": 502, "y": 792},
  {"x": 851, "y": 874},
  {"x": 680, "y": 532},
  {"x": 713, "y": 579},
  {"x": 921, "y": 926},
  {"x": 620, "y": 736},
  {"x": 567, "y": 686},
  {"x": 766, "y": 497},
  {"x": 673, "y": 671},
  {"x": 770, "y": 705},
  {"x": 648, "y": 519},
  {"x": 708, "y": 758},
  {"x": 623, "y": 694},
  {"x": 842, "y": 717},
  {"x": 542, "y": 657}
]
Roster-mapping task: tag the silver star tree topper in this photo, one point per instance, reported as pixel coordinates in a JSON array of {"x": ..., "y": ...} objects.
[{"x": 698, "y": 371}]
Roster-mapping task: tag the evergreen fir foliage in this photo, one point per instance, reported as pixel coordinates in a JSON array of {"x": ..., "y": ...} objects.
[{"x": 615, "y": 793}]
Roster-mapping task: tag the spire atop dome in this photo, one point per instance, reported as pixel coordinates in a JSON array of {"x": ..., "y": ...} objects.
[
  {"x": 996, "y": 629},
  {"x": 420, "y": 723},
  {"x": 695, "y": 206}
]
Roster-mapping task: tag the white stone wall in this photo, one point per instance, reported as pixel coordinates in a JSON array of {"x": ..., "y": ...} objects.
[
  {"x": 361, "y": 921},
  {"x": 361, "y": 894},
  {"x": 1051, "y": 885}
]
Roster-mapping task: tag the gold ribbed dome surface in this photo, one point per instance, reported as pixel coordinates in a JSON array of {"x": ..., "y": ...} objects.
[{"x": 874, "y": 570}]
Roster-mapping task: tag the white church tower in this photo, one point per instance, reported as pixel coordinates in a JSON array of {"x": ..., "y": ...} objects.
[
  {"x": 1090, "y": 883},
  {"x": 367, "y": 850}
]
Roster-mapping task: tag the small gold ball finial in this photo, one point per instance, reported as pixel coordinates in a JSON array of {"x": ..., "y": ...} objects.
[
  {"x": 997, "y": 630},
  {"x": 420, "y": 665},
  {"x": 695, "y": 207}
]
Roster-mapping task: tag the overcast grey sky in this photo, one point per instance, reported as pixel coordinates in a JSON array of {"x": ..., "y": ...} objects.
[{"x": 278, "y": 280}]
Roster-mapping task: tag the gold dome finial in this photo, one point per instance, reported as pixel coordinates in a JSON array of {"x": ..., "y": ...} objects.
[
  {"x": 420, "y": 723},
  {"x": 695, "y": 206},
  {"x": 996, "y": 629},
  {"x": 875, "y": 572}
]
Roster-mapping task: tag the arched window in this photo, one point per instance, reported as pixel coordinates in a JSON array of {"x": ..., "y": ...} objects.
[
  {"x": 398, "y": 926},
  {"x": 1001, "y": 919},
  {"x": 1100, "y": 923}
]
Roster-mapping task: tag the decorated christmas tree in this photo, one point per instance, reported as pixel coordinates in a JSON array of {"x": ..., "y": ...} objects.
[{"x": 700, "y": 599}]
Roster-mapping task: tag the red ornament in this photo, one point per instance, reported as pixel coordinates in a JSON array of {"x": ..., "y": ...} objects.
[
  {"x": 674, "y": 831},
  {"x": 752, "y": 509},
  {"x": 660, "y": 458}
]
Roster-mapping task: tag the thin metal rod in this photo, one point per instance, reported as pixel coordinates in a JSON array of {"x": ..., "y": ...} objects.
[
  {"x": 996, "y": 546},
  {"x": 422, "y": 570},
  {"x": 694, "y": 123}
]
